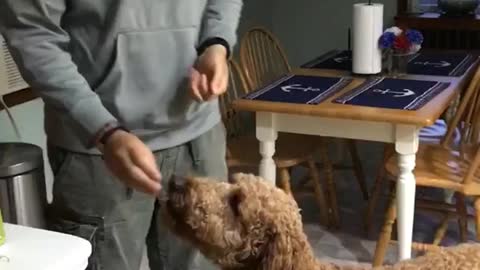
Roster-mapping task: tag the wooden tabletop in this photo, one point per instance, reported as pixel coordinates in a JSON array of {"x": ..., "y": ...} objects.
[{"x": 424, "y": 116}]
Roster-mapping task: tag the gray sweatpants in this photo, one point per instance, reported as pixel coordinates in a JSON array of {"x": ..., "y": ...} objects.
[{"x": 90, "y": 203}]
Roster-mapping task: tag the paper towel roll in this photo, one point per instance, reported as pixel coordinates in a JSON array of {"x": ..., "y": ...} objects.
[{"x": 367, "y": 29}]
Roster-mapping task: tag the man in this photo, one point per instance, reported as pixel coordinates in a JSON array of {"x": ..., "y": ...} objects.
[{"x": 115, "y": 77}]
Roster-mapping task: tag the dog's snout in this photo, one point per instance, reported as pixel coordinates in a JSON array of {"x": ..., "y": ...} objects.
[{"x": 177, "y": 183}]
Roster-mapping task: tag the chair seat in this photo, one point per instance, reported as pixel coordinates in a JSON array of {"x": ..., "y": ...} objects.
[
  {"x": 290, "y": 150},
  {"x": 441, "y": 168}
]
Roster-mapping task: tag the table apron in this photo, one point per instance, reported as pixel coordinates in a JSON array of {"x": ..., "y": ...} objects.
[{"x": 333, "y": 127}]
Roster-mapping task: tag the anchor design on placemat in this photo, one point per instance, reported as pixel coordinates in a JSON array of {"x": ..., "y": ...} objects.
[
  {"x": 341, "y": 59},
  {"x": 288, "y": 88},
  {"x": 440, "y": 64},
  {"x": 403, "y": 93}
]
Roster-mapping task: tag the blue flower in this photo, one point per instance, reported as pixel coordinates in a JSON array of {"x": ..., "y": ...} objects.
[
  {"x": 386, "y": 40},
  {"x": 414, "y": 36}
]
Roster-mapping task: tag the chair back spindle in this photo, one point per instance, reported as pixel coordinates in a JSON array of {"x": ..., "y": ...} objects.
[
  {"x": 262, "y": 57},
  {"x": 467, "y": 120},
  {"x": 236, "y": 123},
  {"x": 466, "y": 116}
]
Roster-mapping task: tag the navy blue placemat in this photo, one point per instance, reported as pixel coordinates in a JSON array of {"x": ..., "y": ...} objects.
[
  {"x": 393, "y": 93},
  {"x": 341, "y": 60},
  {"x": 424, "y": 63},
  {"x": 300, "y": 89},
  {"x": 440, "y": 64}
]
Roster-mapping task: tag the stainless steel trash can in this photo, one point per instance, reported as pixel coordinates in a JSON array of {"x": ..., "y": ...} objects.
[{"x": 23, "y": 197}]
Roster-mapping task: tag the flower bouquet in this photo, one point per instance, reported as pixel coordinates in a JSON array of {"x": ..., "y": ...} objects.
[{"x": 399, "y": 45}]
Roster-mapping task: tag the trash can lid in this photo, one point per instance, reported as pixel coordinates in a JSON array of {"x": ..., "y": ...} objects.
[{"x": 19, "y": 158}]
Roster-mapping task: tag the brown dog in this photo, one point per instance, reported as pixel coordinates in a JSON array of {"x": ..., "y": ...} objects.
[{"x": 250, "y": 224}]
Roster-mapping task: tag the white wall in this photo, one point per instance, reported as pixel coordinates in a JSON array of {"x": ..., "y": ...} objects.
[
  {"x": 309, "y": 28},
  {"x": 255, "y": 12}
]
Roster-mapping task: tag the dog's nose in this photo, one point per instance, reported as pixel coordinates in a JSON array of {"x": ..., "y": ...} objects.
[{"x": 177, "y": 183}]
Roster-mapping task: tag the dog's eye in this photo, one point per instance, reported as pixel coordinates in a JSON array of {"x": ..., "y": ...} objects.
[{"x": 234, "y": 202}]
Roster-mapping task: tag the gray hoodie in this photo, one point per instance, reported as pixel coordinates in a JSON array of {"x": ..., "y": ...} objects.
[{"x": 100, "y": 61}]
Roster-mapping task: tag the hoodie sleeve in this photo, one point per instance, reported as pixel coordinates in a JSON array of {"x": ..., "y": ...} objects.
[
  {"x": 221, "y": 21},
  {"x": 39, "y": 45}
]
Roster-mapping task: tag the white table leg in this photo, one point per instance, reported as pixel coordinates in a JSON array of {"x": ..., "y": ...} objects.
[
  {"x": 267, "y": 134},
  {"x": 406, "y": 146}
]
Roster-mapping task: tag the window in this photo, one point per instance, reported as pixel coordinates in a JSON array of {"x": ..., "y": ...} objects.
[
  {"x": 428, "y": 2},
  {"x": 428, "y": 5}
]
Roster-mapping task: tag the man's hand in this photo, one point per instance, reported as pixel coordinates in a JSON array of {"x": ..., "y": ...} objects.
[
  {"x": 209, "y": 77},
  {"x": 131, "y": 161}
]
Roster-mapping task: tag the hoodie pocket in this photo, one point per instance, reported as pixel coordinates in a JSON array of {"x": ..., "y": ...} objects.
[{"x": 148, "y": 74}]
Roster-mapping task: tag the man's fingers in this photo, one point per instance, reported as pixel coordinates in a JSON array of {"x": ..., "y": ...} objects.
[
  {"x": 146, "y": 162},
  {"x": 218, "y": 82},
  {"x": 204, "y": 89},
  {"x": 134, "y": 177},
  {"x": 223, "y": 84},
  {"x": 195, "y": 82},
  {"x": 140, "y": 181}
]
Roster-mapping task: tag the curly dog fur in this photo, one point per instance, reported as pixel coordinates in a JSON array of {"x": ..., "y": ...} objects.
[{"x": 250, "y": 224}]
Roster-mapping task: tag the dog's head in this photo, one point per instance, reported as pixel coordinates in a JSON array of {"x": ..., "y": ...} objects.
[{"x": 244, "y": 224}]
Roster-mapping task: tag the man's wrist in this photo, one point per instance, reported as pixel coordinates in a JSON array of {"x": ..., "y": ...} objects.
[
  {"x": 102, "y": 136},
  {"x": 110, "y": 133},
  {"x": 214, "y": 41}
]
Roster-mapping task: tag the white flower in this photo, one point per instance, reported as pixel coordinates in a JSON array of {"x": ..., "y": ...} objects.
[
  {"x": 415, "y": 48},
  {"x": 395, "y": 30}
]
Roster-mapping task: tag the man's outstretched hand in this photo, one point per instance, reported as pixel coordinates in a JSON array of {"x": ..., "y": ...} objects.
[
  {"x": 209, "y": 77},
  {"x": 131, "y": 161}
]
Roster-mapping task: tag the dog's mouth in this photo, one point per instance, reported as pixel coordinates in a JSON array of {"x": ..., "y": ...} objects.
[{"x": 173, "y": 198}]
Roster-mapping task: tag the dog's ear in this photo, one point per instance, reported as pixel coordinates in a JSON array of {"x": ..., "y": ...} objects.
[{"x": 279, "y": 253}]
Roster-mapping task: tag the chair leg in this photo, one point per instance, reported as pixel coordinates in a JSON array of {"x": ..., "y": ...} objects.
[
  {"x": 477, "y": 217},
  {"x": 284, "y": 180},
  {"x": 339, "y": 148},
  {"x": 392, "y": 188},
  {"x": 375, "y": 194},
  {"x": 441, "y": 231},
  {"x": 386, "y": 233},
  {"x": 357, "y": 168},
  {"x": 332, "y": 190},
  {"x": 319, "y": 192},
  {"x": 304, "y": 182},
  {"x": 462, "y": 216}
]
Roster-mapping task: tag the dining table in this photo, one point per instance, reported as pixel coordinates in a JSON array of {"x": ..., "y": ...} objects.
[{"x": 369, "y": 123}]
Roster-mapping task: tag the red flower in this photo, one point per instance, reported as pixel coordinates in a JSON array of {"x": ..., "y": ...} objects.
[{"x": 401, "y": 43}]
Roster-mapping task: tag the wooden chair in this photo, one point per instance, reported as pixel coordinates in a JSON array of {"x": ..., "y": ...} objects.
[
  {"x": 264, "y": 61},
  {"x": 243, "y": 147},
  {"x": 263, "y": 58},
  {"x": 445, "y": 166}
]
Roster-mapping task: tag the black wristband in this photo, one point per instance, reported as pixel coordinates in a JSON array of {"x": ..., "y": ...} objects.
[
  {"x": 109, "y": 133},
  {"x": 213, "y": 41}
]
